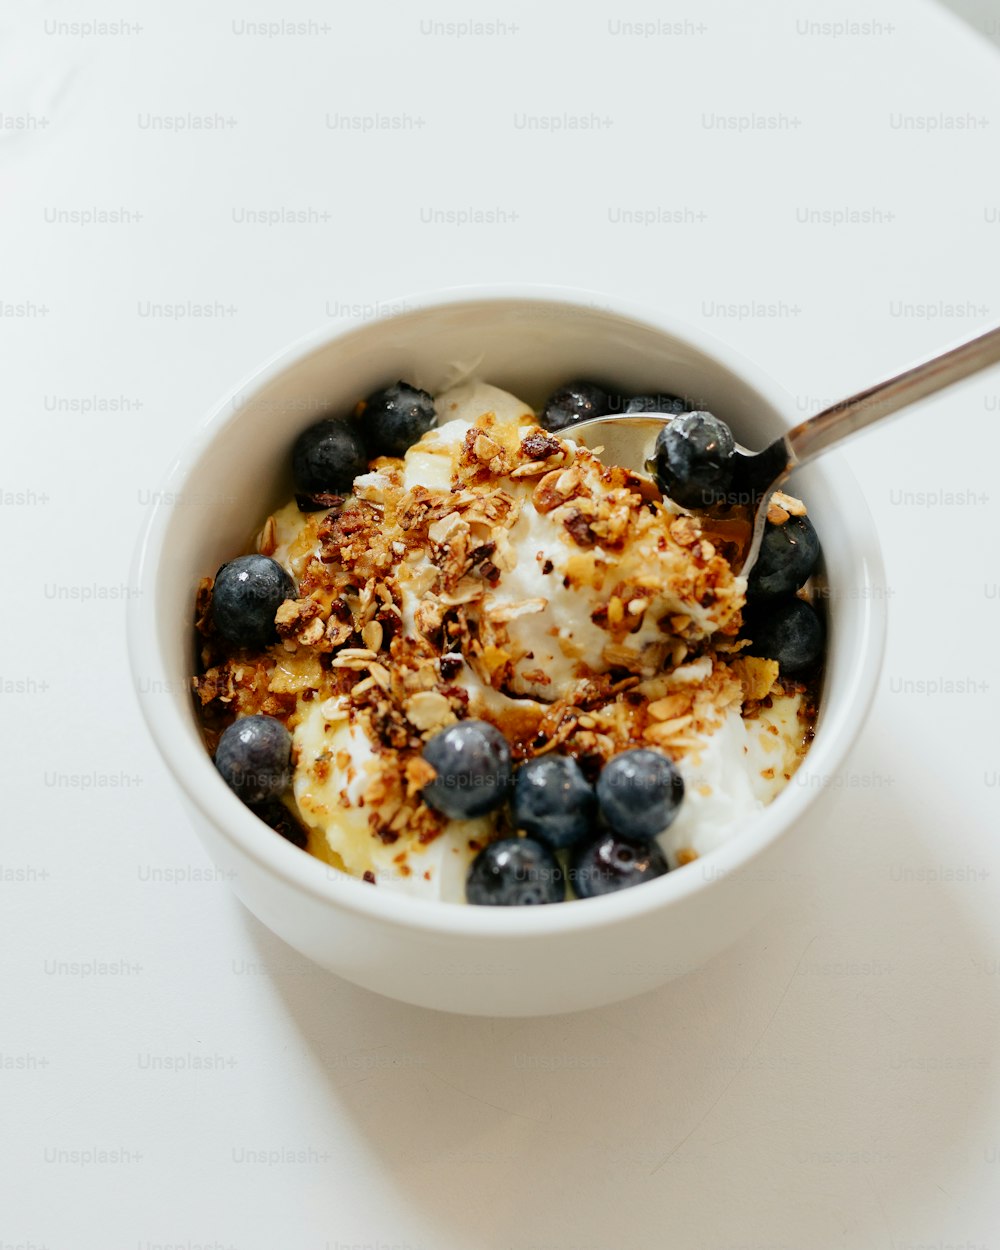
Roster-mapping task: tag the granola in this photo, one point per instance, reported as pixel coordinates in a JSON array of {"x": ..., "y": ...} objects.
[{"x": 500, "y": 571}]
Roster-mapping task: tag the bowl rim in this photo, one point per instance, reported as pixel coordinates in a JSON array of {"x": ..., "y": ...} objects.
[{"x": 194, "y": 773}]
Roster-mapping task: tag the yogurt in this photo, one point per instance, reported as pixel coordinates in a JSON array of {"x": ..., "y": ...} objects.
[{"x": 575, "y": 579}]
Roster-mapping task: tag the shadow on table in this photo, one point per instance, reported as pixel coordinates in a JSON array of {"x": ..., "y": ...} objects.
[
  {"x": 981, "y": 15},
  {"x": 818, "y": 1079}
]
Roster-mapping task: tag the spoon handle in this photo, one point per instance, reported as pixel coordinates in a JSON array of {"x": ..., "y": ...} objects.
[{"x": 838, "y": 422}]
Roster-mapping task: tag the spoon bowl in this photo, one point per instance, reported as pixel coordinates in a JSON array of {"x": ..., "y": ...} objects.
[{"x": 630, "y": 441}]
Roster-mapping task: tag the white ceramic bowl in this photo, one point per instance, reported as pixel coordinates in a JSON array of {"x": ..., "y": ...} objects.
[{"x": 487, "y": 961}]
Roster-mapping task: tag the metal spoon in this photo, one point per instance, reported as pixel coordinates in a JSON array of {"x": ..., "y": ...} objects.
[{"x": 629, "y": 440}]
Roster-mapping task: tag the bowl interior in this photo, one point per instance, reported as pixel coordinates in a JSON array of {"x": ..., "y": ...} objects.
[{"x": 221, "y": 491}]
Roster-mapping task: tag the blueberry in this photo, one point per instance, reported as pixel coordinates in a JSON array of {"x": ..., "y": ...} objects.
[
  {"x": 673, "y": 405},
  {"x": 472, "y": 760},
  {"x": 553, "y": 800},
  {"x": 614, "y": 863},
  {"x": 254, "y": 758},
  {"x": 639, "y": 793},
  {"x": 282, "y": 820},
  {"x": 247, "y": 593},
  {"x": 326, "y": 458},
  {"x": 393, "y": 419},
  {"x": 787, "y": 630},
  {"x": 694, "y": 459},
  {"x": 788, "y": 555},
  {"x": 574, "y": 402},
  {"x": 514, "y": 872}
]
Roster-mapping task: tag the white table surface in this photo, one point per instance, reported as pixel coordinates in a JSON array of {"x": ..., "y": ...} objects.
[{"x": 832, "y": 1082}]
